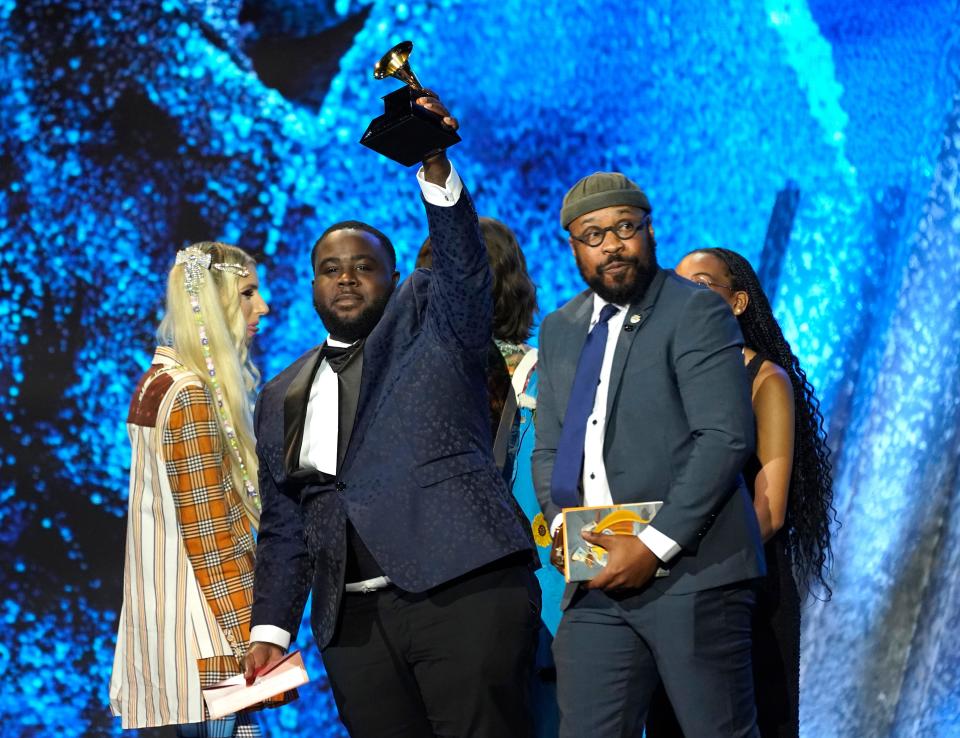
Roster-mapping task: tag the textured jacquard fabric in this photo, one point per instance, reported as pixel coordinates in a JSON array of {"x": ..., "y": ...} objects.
[{"x": 417, "y": 479}]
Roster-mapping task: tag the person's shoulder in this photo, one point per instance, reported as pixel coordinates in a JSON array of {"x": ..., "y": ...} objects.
[
  {"x": 772, "y": 397},
  {"x": 286, "y": 375},
  {"x": 187, "y": 400},
  {"x": 773, "y": 378},
  {"x": 164, "y": 384},
  {"x": 418, "y": 281},
  {"x": 168, "y": 370},
  {"x": 183, "y": 382},
  {"x": 675, "y": 283},
  {"x": 677, "y": 289},
  {"x": 686, "y": 295},
  {"x": 567, "y": 312},
  {"x": 190, "y": 391}
]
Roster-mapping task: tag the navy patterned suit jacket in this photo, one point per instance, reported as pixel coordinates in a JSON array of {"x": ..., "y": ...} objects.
[{"x": 417, "y": 477}]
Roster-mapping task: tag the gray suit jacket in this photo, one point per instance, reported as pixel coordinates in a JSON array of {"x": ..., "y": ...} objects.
[{"x": 680, "y": 425}]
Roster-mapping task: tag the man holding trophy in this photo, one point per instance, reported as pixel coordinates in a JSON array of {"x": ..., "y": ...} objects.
[{"x": 380, "y": 492}]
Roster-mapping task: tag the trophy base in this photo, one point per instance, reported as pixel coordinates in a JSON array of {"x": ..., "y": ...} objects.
[{"x": 407, "y": 132}]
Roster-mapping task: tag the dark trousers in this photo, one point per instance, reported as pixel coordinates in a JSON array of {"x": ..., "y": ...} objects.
[
  {"x": 456, "y": 661},
  {"x": 611, "y": 652}
]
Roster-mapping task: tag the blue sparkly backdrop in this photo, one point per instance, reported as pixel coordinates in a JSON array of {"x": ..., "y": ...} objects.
[{"x": 130, "y": 127}]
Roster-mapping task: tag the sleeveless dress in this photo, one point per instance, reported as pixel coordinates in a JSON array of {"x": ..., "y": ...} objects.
[
  {"x": 776, "y": 627},
  {"x": 776, "y": 637}
]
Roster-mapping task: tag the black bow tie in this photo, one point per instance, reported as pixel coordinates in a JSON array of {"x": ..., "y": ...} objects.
[{"x": 337, "y": 356}]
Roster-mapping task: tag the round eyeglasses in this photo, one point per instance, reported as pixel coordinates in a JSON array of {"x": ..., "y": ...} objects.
[{"x": 624, "y": 230}]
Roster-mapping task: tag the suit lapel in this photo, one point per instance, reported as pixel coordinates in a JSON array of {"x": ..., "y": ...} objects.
[
  {"x": 571, "y": 344},
  {"x": 295, "y": 412},
  {"x": 637, "y": 315},
  {"x": 348, "y": 380}
]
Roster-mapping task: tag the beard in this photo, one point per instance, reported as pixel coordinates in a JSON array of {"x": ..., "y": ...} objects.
[
  {"x": 352, "y": 329},
  {"x": 624, "y": 290}
]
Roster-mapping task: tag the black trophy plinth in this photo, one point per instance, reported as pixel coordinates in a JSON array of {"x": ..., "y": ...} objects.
[{"x": 407, "y": 132}]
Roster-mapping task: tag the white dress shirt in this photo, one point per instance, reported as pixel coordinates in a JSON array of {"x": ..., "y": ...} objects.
[
  {"x": 322, "y": 421},
  {"x": 596, "y": 488},
  {"x": 319, "y": 448}
]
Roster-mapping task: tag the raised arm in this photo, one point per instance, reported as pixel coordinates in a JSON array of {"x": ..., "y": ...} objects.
[{"x": 460, "y": 311}]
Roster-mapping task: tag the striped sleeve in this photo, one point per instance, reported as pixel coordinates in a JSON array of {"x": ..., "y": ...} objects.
[{"x": 200, "y": 482}]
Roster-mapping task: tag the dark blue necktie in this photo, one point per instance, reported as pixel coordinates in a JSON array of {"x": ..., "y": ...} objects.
[{"x": 568, "y": 465}]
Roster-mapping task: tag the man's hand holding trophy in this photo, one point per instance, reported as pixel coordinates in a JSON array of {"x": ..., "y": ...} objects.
[{"x": 415, "y": 126}]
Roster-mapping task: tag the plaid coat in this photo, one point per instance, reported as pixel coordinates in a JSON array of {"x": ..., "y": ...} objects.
[{"x": 188, "y": 574}]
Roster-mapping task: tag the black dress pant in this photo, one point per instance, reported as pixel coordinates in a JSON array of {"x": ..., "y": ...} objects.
[{"x": 456, "y": 661}]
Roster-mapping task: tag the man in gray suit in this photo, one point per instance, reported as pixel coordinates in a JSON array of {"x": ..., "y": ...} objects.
[{"x": 642, "y": 397}]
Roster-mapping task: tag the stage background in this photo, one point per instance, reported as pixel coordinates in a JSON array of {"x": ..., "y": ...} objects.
[{"x": 818, "y": 137}]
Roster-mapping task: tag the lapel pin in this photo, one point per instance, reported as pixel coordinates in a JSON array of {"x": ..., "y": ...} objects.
[{"x": 636, "y": 318}]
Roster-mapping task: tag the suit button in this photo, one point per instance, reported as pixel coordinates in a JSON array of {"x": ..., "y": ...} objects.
[{"x": 341, "y": 486}]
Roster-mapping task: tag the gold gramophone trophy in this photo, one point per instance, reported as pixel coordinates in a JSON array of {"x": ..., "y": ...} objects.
[{"x": 406, "y": 132}]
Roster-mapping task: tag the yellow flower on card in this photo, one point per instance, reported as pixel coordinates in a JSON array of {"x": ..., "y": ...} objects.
[{"x": 541, "y": 531}]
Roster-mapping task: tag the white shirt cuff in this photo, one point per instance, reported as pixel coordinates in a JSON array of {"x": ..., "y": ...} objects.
[
  {"x": 270, "y": 634},
  {"x": 557, "y": 521},
  {"x": 663, "y": 548},
  {"x": 445, "y": 196}
]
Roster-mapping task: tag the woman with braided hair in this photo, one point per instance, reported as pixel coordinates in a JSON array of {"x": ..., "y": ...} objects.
[
  {"x": 193, "y": 503},
  {"x": 790, "y": 478}
]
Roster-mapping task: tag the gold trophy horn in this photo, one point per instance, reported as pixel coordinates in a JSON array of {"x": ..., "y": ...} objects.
[
  {"x": 406, "y": 132},
  {"x": 395, "y": 63}
]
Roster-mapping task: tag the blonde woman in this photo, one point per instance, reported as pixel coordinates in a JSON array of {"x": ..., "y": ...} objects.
[{"x": 188, "y": 574}]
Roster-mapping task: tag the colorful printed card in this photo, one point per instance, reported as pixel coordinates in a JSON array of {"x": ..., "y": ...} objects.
[{"x": 583, "y": 560}]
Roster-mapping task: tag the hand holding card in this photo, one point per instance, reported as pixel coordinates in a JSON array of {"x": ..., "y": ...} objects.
[{"x": 233, "y": 694}]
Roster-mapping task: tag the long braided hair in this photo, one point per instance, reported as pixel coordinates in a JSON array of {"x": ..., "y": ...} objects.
[{"x": 810, "y": 511}]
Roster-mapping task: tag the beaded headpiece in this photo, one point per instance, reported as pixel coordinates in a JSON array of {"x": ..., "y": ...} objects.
[{"x": 196, "y": 263}]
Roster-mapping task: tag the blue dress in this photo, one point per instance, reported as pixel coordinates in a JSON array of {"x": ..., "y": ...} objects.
[
  {"x": 518, "y": 470},
  {"x": 521, "y": 483}
]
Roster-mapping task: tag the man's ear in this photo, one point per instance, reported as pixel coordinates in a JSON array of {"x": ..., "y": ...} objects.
[{"x": 396, "y": 278}]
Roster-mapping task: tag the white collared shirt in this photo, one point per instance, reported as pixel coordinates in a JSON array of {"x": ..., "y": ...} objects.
[
  {"x": 322, "y": 422},
  {"x": 596, "y": 488}
]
